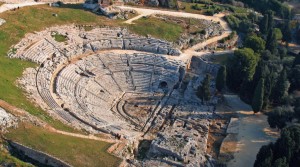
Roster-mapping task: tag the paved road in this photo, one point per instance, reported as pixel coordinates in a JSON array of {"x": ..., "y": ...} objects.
[{"x": 254, "y": 132}]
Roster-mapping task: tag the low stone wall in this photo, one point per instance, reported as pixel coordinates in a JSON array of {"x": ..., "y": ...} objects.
[{"x": 38, "y": 156}]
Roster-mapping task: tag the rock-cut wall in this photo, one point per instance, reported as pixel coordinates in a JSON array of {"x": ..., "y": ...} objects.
[{"x": 38, "y": 156}]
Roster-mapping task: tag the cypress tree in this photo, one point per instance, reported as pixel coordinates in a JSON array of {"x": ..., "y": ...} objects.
[
  {"x": 264, "y": 24},
  {"x": 271, "y": 42},
  {"x": 287, "y": 37},
  {"x": 203, "y": 91},
  {"x": 257, "y": 101},
  {"x": 221, "y": 78}
]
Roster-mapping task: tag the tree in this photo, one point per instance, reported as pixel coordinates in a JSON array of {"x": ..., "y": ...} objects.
[
  {"x": 241, "y": 67},
  {"x": 295, "y": 78},
  {"x": 280, "y": 91},
  {"x": 279, "y": 116},
  {"x": 264, "y": 24},
  {"x": 278, "y": 34},
  {"x": 254, "y": 42},
  {"x": 271, "y": 42},
  {"x": 297, "y": 108},
  {"x": 282, "y": 52},
  {"x": 203, "y": 90},
  {"x": 270, "y": 20},
  {"x": 248, "y": 61},
  {"x": 264, "y": 156},
  {"x": 284, "y": 152},
  {"x": 281, "y": 162},
  {"x": 221, "y": 78},
  {"x": 297, "y": 60},
  {"x": 258, "y": 98},
  {"x": 287, "y": 31}
]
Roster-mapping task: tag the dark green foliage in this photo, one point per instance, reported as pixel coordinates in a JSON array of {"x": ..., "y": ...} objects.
[
  {"x": 295, "y": 78},
  {"x": 241, "y": 67},
  {"x": 281, "y": 162},
  {"x": 287, "y": 32},
  {"x": 263, "y": 27},
  {"x": 280, "y": 91},
  {"x": 221, "y": 78},
  {"x": 284, "y": 152},
  {"x": 282, "y": 52},
  {"x": 272, "y": 42},
  {"x": 258, "y": 98},
  {"x": 280, "y": 9},
  {"x": 254, "y": 42},
  {"x": 264, "y": 156},
  {"x": 240, "y": 23},
  {"x": 278, "y": 33},
  {"x": 279, "y": 116},
  {"x": 203, "y": 90},
  {"x": 297, "y": 60},
  {"x": 297, "y": 108}
]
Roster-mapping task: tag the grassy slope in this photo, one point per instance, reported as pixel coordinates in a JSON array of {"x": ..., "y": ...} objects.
[
  {"x": 76, "y": 151},
  {"x": 157, "y": 28}
]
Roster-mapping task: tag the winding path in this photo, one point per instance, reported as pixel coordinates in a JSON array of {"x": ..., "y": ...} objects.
[{"x": 192, "y": 51}]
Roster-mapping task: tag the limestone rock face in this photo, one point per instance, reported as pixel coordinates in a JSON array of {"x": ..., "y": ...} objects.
[
  {"x": 6, "y": 120},
  {"x": 2, "y": 21}
]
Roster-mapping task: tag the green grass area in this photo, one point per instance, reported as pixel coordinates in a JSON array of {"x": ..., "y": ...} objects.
[
  {"x": 76, "y": 151},
  {"x": 59, "y": 38},
  {"x": 20, "y": 22},
  {"x": 200, "y": 8},
  {"x": 157, "y": 28}
]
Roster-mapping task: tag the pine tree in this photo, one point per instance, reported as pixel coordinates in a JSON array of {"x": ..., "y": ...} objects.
[
  {"x": 203, "y": 91},
  {"x": 221, "y": 78},
  {"x": 257, "y": 101}
]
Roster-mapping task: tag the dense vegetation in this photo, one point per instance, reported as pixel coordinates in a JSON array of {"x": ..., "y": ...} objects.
[
  {"x": 277, "y": 6},
  {"x": 285, "y": 152},
  {"x": 268, "y": 78}
]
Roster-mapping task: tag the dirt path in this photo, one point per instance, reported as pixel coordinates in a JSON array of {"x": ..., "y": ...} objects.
[
  {"x": 192, "y": 51},
  {"x": 147, "y": 12},
  {"x": 254, "y": 132}
]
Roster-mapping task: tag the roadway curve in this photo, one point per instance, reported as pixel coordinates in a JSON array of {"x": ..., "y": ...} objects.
[{"x": 192, "y": 51}]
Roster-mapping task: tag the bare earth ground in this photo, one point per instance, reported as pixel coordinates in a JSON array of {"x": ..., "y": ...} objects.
[{"x": 254, "y": 132}]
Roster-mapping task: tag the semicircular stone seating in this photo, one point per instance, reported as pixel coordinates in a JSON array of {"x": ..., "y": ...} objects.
[{"x": 84, "y": 78}]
